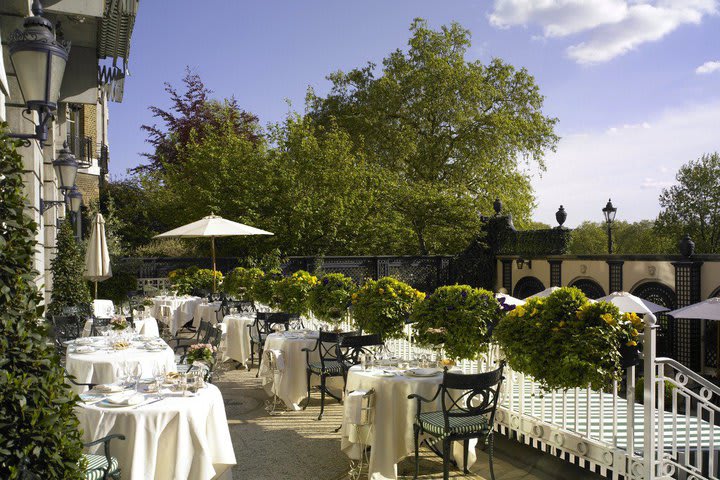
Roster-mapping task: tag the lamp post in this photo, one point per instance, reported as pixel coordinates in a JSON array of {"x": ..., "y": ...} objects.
[
  {"x": 609, "y": 211},
  {"x": 66, "y": 168},
  {"x": 39, "y": 60},
  {"x": 74, "y": 198}
]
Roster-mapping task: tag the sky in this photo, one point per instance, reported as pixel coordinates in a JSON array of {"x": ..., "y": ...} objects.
[{"x": 635, "y": 84}]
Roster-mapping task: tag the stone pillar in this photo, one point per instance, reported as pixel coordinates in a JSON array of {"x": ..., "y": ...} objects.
[
  {"x": 555, "y": 273},
  {"x": 687, "y": 332},
  {"x": 615, "y": 283}
]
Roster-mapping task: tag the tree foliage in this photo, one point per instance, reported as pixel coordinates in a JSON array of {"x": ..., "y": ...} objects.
[
  {"x": 69, "y": 287},
  {"x": 38, "y": 429},
  {"x": 642, "y": 237},
  {"x": 693, "y": 205}
]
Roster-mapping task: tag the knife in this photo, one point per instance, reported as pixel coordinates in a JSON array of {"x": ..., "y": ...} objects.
[{"x": 148, "y": 403}]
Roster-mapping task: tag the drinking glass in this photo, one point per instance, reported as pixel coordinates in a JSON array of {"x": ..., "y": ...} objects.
[
  {"x": 135, "y": 374},
  {"x": 159, "y": 376},
  {"x": 121, "y": 373},
  {"x": 183, "y": 383}
]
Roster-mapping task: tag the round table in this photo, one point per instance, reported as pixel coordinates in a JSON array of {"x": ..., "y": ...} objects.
[
  {"x": 102, "y": 365},
  {"x": 207, "y": 312},
  {"x": 290, "y": 385},
  {"x": 180, "y": 310},
  {"x": 175, "y": 438},
  {"x": 391, "y": 436},
  {"x": 146, "y": 326},
  {"x": 237, "y": 339}
]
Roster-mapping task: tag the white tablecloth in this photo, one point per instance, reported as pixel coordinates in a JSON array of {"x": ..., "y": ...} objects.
[
  {"x": 237, "y": 339},
  {"x": 207, "y": 312},
  {"x": 102, "y": 365},
  {"x": 174, "y": 439},
  {"x": 147, "y": 326},
  {"x": 103, "y": 308},
  {"x": 181, "y": 310},
  {"x": 290, "y": 385},
  {"x": 391, "y": 436}
]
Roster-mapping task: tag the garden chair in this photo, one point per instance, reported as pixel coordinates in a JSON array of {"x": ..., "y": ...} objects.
[
  {"x": 262, "y": 327},
  {"x": 214, "y": 337},
  {"x": 351, "y": 348},
  {"x": 71, "y": 378},
  {"x": 102, "y": 466},
  {"x": 64, "y": 329},
  {"x": 468, "y": 411},
  {"x": 202, "y": 334},
  {"x": 98, "y": 323},
  {"x": 329, "y": 365}
]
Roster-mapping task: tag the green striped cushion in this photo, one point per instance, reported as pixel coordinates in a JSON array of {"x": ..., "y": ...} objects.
[
  {"x": 97, "y": 464},
  {"x": 331, "y": 367},
  {"x": 434, "y": 422}
]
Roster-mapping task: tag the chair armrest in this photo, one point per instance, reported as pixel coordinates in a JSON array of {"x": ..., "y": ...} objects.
[
  {"x": 104, "y": 439},
  {"x": 72, "y": 380},
  {"x": 420, "y": 399}
]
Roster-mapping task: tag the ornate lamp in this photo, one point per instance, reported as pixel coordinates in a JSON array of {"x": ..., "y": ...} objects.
[
  {"x": 74, "y": 198},
  {"x": 39, "y": 60},
  {"x": 66, "y": 168},
  {"x": 609, "y": 211}
]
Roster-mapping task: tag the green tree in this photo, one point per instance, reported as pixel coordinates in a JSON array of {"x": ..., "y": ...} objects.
[
  {"x": 450, "y": 133},
  {"x": 693, "y": 205},
  {"x": 642, "y": 237},
  {"x": 39, "y": 432},
  {"x": 69, "y": 287}
]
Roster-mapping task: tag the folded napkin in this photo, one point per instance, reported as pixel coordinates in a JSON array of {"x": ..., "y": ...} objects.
[
  {"x": 123, "y": 399},
  {"x": 85, "y": 349},
  {"x": 265, "y": 364},
  {"x": 354, "y": 405},
  {"x": 109, "y": 388}
]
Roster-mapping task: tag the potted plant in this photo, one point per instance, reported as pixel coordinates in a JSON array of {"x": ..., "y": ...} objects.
[
  {"x": 239, "y": 283},
  {"x": 458, "y": 317},
  {"x": 201, "y": 353},
  {"x": 292, "y": 294},
  {"x": 119, "y": 324},
  {"x": 331, "y": 297},
  {"x": 263, "y": 287},
  {"x": 382, "y": 306}
]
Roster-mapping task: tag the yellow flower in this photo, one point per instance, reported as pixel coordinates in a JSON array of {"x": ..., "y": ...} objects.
[
  {"x": 555, "y": 329},
  {"x": 608, "y": 318},
  {"x": 520, "y": 311},
  {"x": 534, "y": 312},
  {"x": 537, "y": 324},
  {"x": 634, "y": 332},
  {"x": 381, "y": 291},
  {"x": 562, "y": 323},
  {"x": 631, "y": 343}
]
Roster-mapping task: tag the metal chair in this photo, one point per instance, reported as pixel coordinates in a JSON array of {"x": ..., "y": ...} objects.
[
  {"x": 64, "y": 329},
  {"x": 97, "y": 323},
  {"x": 202, "y": 334},
  {"x": 352, "y": 347},
  {"x": 102, "y": 466},
  {"x": 468, "y": 411},
  {"x": 330, "y": 365},
  {"x": 262, "y": 327},
  {"x": 71, "y": 378}
]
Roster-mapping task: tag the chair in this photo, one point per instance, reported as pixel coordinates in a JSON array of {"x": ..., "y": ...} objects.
[
  {"x": 213, "y": 337},
  {"x": 202, "y": 334},
  {"x": 64, "y": 329},
  {"x": 262, "y": 327},
  {"x": 102, "y": 466},
  {"x": 330, "y": 365},
  {"x": 96, "y": 324},
  {"x": 352, "y": 347},
  {"x": 468, "y": 411},
  {"x": 71, "y": 378}
]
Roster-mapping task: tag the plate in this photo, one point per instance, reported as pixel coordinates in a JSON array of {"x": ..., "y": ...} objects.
[
  {"x": 84, "y": 341},
  {"x": 85, "y": 349},
  {"x": 423, "y": 372},
  {"x": 109, "y": 388},
  {"x": 383, "y": 373}
]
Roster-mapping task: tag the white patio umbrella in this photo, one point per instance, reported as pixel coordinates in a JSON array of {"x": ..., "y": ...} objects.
[
  {"x": 706, "y": 310},
  {"x": 544, "y": 293},
  {"x": 628, "y": 302},
  {"x": 212, "y": 226},
  {"x": 97, "y": 257},
  {"x": 509, "y": 300}
]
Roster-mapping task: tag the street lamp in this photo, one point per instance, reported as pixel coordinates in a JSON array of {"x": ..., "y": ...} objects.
[
  {"x": 39, "y": 60},
  {"x": 74, "y": 199},
  {"x": 66, "y": 168},
  {"x": 609, "y": 211}
]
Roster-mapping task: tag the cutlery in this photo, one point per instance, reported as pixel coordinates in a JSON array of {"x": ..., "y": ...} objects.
[{"x": 148, "y": 403}]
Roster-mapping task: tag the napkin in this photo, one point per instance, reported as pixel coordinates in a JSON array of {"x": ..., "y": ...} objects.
[
  {"x": 279, "y": 362},
  {"x": 125, "y": 399},
  {"x": 84, "y": 341},
  {"x": 109, "y": 388},
  {"x": 354, "y": 402},
  {"x": 85, "y": 349}
]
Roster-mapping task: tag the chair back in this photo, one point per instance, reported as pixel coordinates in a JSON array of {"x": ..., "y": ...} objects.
[
  {"x": 327, "y": 347},
  {"x": 351, "y": 347},
  {"x": 214, "y": 337},
  {"x": 265, "y": 322},
  {"x": 204, "y": 331},
  {"x": 64, "y": 328},
  {"x": 97, "y": 323},
  {"x": 471, "y": 395},
  {"x": 244, "y": 307}
]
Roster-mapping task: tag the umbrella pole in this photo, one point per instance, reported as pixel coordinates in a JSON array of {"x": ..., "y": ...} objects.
[
  {"x": 212, "y": 249},
  {"x": 95, "y": 289}
]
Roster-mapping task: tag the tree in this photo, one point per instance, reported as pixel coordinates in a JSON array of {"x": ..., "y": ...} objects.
[
  {"x": 693, "y": 205},
  {"x": 137, "y": 223},
  {"x": 643, "y": 237},
  {"x": 69, "y": 287},
  {"x": 39, "y": 432},
  {"x": 451, "y": 133}
]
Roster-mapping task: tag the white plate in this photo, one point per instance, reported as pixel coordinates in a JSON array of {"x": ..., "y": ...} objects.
[
  {"x": 85, "y": 349},
  {"x": 383, "y": 374},
  {"x": 423, "y": 372},
  {"x": 110, "y": 388},
  {"x": 84, "y": 341}
]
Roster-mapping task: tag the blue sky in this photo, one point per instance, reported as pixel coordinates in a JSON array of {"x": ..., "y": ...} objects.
[{"x": 634, "y": 83}]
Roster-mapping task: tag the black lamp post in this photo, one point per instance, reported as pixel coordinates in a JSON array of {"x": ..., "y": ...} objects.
[
  {"x": 609, "y": 211},
  {"x": 39, "y": 60}
]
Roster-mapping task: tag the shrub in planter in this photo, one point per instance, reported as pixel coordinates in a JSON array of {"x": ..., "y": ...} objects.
[
  {"x": 39, "y": 432},
  {"x": 193, "y": 280},
  {"x": 292, "y": 294},
  {"x": 458, "y": 317},
  {"x": 565, "y": 342},
  {"x": 239, "y": 283},
  {"x": 331, "y": 297},
  {"x": 382, "y": 306},
  {"x": 70, "y": 289},
  {"x": 640, "y": 392},
  {"x": 263, "y": 287}
]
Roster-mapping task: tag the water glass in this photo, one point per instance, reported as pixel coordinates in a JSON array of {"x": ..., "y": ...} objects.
[
  {"x": 159, "y": 376},
  {"x": 183, "y": 383}
]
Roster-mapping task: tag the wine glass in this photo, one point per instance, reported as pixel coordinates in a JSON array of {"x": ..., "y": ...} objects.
[
  {"x": 159, "y": 376},
  {"x": 135, "y": 374},
  {"x": 121, "y": 373}
]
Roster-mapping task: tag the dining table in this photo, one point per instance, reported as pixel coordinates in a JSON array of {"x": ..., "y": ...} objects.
[
  {"x": 168, "y": 437},
  {"x": 390, "y": 435},
  {"x": 144, "y": 326},
  {"x": 237, "y": 336},
  {"x": 98, "y": 360},
  {"x": 175, "y": 310},
  {"x": 207, "y": 312}
]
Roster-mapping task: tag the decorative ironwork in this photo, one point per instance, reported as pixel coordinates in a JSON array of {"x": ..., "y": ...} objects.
[
  {"x": 527, "y": 286},
  {"x": 662, "y": 295},
  {"x": 589, "y": 287},
  {"x": 555, "y": 273},
  {"x": 507, "y": 275},
  {"x": 82, "y": 147},
  {"x": 616, "y": 275},
  {"x": 687, "y": 334}
]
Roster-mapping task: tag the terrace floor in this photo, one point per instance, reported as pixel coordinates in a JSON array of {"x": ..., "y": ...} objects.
[{"x": 296, "y": 446}]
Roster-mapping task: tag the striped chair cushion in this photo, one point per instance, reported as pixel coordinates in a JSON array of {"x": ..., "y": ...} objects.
[
  {"x": 332, "y": 367},
  {"x": 434, "y": 422},
  {"x": 97, "y": 464}
]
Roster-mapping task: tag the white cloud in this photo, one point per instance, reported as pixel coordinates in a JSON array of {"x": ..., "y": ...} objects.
[
  {"x": 708, "y": 67},
  {"x": 628, "y": 163},
  {"x": 614, "y": 27}
]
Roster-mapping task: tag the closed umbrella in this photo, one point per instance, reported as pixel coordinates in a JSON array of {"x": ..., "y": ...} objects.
[
  {"x": 544, "y": 293},
  {"x": 628, "y": 303},
  {"x": 706, "y": 310},
  {"x": 212, "y": 226},
  {"x": 97, "y": 257}
]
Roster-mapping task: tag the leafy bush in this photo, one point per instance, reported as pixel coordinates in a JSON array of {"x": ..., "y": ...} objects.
[
  {"x": 565, "y": 342},
  {"x": 39, "y": 433},
  {"x": 167, "y": 247},
  {"x": 292, "y": 294},
  {"x": 123, "y": 281},
  {"x": 382, "y": 306},
  {"x": 459, "y": 317},
  {"x": 640, "y": 392},
  {"x": 70, "y": 289},
  {"x": 264, "y": 287},
  {"x": 331, "y": 297},
  {"x": 194, "y": 280},
  {"x": 240, "y": 282}
]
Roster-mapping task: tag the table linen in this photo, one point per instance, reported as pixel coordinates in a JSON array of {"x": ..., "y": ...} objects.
[
  {"x": 391, "y": 436},
  {"x": 103, "y": 308},
  {"x": 173, "y": 439},
  {"x": 207, "y": 312},
  {"x": 146, "y": 326},
  {"x": 181, "y": 310},
  {"x": 237, "y": 338}
]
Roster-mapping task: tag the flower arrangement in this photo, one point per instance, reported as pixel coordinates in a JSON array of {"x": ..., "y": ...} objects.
[
  {"x": 119, "y": 323},
  {"x": 563, "y": 341},
  {"x": 292, "y": 294},
  {"x": 331, "y": 297},
  {"x": 459, "y": 317},
  {"x": 191, "y": 280},
  {"x": 239, "y": 283},
  {"x": 382, "y": 306},
  {"x": 263, "y": 287},
  {"x": 201, "y": 352}
]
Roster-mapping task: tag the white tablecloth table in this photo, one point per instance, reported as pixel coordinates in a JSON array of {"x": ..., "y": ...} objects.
[
  {"x": 391, "y": 437},
  {"x": 146, "y": 326},
  {"x": 103, "y": 308},
  {"x": 207, "y": 312},
  {"x": 180, "y": 309},
  {"x": 290, "y": 385},
  {"x": 173, "y": 439},
  {"x": 237, "y": 339},
  {"x": 102, "y": 365}
]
